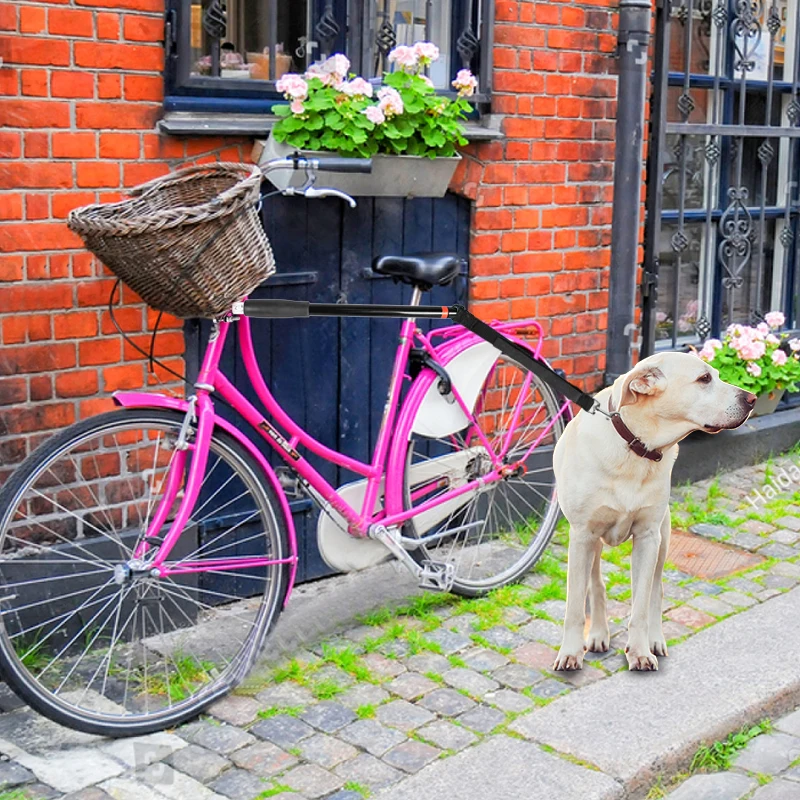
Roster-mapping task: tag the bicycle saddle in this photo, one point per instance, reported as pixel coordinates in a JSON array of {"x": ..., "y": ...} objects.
[{"x": 425, "y": 271}]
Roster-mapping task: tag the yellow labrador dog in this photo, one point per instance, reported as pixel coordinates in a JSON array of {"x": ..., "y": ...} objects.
[{"x": 613, "y": 482}]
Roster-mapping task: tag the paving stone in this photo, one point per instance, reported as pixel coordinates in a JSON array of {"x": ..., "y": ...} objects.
[
  {"x": 411, "y": 685},
  {"x": 446, "y": 735},
  {"x": 482, "y": 719},
  {"x": 363, "y": 694},
  {"x": 264, "y": 759},
  {"x": 404, "y": 715},
  {"x": 13, "y": 774},
  {"x": 312, "y": 781},
  {"x": 757, "y": 526},
  {"x": 535, "y": 654},
  {"x": 469, "y": 680},
  {"x": 677, "y": 593},
  {"x": 711, "y": 605},
  {"x": 790, "y": 723},
  {"x": 382, "y": 667},
  {"x": 220, "y": 738},
  {"x": 507, "y": 700},
  {"x": 283, "y": 730},
  {"x": 335, "y": 675},
  {"x": 705, "y": 587},
  {"x": 674, "y": 630},
  {"x": 768, "y": 753},
  {"x": 513, "y": 615},
  {"x": 328, "y": 716},
  {"x": 718, "y": 532},
  {"x": 549, "y": 688},
  {"x": 690, "y": 617},
  {"x": 484, "y": 660},
  {"x": 345, "y": 794},
  {"x": 175, "y": 785},
  {"x": 787, "y": 570},
  {"x": 235, "y": 709},
  {"x": 428, "y": 662},
  {"x": 747, "y": 541},
  {"x": 239, "y": 784},
  {"x": 139, "y": 751},
  {"x": 395, "y": 649},
  {"x": 118, "y": 789},
  {"x": 447, "y": 702},
  {"x": 581, "y": 677},
  {"x": 777, "y": 790},
  {"x": 518, "y": 676},
  {"x": 737, "y": 599},
  {"x": 744, "y": 585},
  {"x": 792, "y": 523},
  {"x": 92, "y": 793},
  {"x": 617, "y": 609},
  {"x": 720, "y": 786},
  {"x": 368, "y": 771},
  {"x": 542, "y": 630},
  {"x": 463, "y": 623},
  {"x": 536, "y": 580},
  {"x": 411, "y": 756},
  {"x": 766, "y": 594},
  {"x": 199, "y": 763},
  {"x": 373, "y": 737},
  {"x": 449, "y": 641},
  {"x": 71, "y": 770},
  {"x": 285, "y": 695},
  {"x": 777, "y": 551},
  {"x": 785, "y": 537},
  {"x": 326, "y": 751},
  {"x": 502, "y": 637},
  {"x": 779, "y": 582},
  {"x": 554, "y": 609}
]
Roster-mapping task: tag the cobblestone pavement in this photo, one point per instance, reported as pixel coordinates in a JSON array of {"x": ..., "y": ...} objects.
[{"x": 346, "y": 717}]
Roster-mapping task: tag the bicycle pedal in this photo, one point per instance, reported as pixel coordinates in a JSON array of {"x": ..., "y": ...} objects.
[{"x": 438, "y": 576}]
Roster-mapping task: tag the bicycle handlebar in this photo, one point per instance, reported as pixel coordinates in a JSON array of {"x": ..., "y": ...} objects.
[{"x": 333, "y": 164}]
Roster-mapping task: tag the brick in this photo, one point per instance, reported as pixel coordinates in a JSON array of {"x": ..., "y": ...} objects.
[
  {"x": 74, "y": 145},
  {"x": 13, "y": 391},
  {"x": 37, "y": 206},
  {"x": 29, "y": 50},
  {"x": 119, "y": 145},
  {"x": 107, "y": 25},
  {"x": 8, "y": 17},
  {"x": 37, "y": 144},
  {"x": 136, "y": 5},
  {"x": 32, "y": 19},
  {"x": 11, "y": 268},
  {"x": 63, "y": 203},
  {"x": 99, "y": 351},
  {"x": 36, "y": 358},
  {"x": 41, "y": 388},
  {"x": 34, "y": 114},
  {"x": 137, "y": 28},
  {"x": 21, "y": 237},
  {"x": 135, "y": 174},
  {"x": 38, "y": 418},
  {"x": 116, "y": 116},
  {"x": 11, "y": 207},
  {"x": 140, "y": 58},
  {"x": 75, "y": 325},
  {"x": 72, "y": 84},
  {"x": 126, "y": 376},
  {"x": 9, "y": 83},
  {"x": 144, "y": 87},
  {"x": 70, "y": 22},
  {"x": 97, "y": 174},
  {"x": 33, "y": 83},
  {"x": 10, "y": 145},
  {"x": 109, "y": 86}
]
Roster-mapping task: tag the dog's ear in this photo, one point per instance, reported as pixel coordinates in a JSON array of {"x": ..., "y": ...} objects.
[{"x": 644, "y": 379}]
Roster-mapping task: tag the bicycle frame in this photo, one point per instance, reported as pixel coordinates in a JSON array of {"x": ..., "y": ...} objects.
[{"x": 386, "y": 460}]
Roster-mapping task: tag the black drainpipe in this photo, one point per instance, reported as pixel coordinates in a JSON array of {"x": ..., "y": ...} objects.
[{"x": 633, "y": 41}]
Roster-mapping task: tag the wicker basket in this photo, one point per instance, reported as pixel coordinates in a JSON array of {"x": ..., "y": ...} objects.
[{"x": 190, "y": 243}]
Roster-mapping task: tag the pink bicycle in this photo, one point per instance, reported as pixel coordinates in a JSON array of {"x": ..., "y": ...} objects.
[{"x": 145, "y": 553}]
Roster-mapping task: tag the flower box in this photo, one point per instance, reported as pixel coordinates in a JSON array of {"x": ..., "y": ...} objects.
[
  {"x": 391, "y": 176},
  {"x": 767, "y": 403}
]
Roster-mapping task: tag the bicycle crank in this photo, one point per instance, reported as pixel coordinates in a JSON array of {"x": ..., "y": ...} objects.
[{"x": 437, "y": 576}]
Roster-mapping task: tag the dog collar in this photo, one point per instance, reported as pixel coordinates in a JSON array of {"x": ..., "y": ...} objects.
[{"x": 634, "y": 442}]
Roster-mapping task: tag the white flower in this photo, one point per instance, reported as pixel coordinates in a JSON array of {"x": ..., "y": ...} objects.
[
  {"x": 754, "y": 369},
  {"x": 404, "y": 55},
  {"x": 771, "y": 338},
  {"x": 426, "y": 52},
  {"x": 297, "y": 107},
  {"x": 390, "y": 101},
  {"x": 293, "y": 86},
  {"x": 357, "y": 87},
  {"x": 427, "y": 81},
  {"x": 337, "y": 64},
  {"x": 794, "y": 344},
  {"x": 716, "y": 344},
  {"x": 374, "y": 114},
  {"x": 774, "y": 319},
  {"x": 465, "y": 83}
]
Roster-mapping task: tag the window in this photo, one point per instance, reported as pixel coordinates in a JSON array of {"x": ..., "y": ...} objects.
[{"x": 227, "y": 54}]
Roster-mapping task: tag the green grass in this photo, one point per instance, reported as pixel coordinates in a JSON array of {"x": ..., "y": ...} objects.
[
  {"x": 717, "y": 756},
  {"x": 32, "y": 653},
  {"x": 348, "y": 660},
  {"x": 276, "y": 788},
  {"x": 367, "y": 711},
  {"x": 185, "y": 675},
  {"x": 288, "y": 711},
  {"x": 353, "y": 786},
  {"x": 326, "y": 689},
  {"x": 15, "y": 794}
]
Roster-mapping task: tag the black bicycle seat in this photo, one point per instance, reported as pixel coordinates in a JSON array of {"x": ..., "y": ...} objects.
[{"x": 425, "y": 271}]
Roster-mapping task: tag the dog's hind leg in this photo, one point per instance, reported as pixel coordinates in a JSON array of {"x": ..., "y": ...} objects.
[
  {"x": 658, "y": 644},
  {"x": 599, "y": 634},
  {"x": 579, "y": 564}
]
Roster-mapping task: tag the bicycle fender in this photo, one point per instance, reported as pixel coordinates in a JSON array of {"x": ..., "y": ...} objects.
[{"x": 156, "y": 400}]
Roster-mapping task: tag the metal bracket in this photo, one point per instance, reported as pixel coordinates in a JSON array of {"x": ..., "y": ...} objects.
[{"x": 189, "y": 418}]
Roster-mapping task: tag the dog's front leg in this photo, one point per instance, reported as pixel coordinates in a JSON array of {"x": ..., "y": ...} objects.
[
  {"x": 643, "y": 565},
  {"x": 579, "y": 563},
  {"x": 599, "y": 634},
  {"x": 656, "y": 634}
]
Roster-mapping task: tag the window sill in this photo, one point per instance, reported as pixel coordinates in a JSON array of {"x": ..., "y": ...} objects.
[{"x": 198, "y": 123}]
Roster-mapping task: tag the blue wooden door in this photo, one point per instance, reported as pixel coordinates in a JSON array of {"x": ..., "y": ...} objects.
[{"x": 332, "y": 375}]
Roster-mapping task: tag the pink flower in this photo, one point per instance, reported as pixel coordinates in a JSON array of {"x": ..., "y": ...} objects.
[
  {"x": 374, "y": 114},
  {"x": 774, "y": 319},
  {"x": 357, "y": 87},
  {"x": 762, "y": 329},
  {"x": 293, "y": 86},
  {"x": 465, "y": 82},
  {"x": 707, "y": 353},
  {"x": 427, "y": 81},
  {"x": 661, "y": 316},
  {"x": 752, "y": 351},
  {"x": 426, "y": 52},
  {"x": 771, "y": 338},
  {"x": 297, "y": 107},
  {"x": 336, "y": 64},
  {"x": 794, "y": 344},
  {"x": 390, "y": 101},
  {"x": 779, "y": 358},
  {"x": 714, "y": 344},
  {"x": 754, "y": 370},
  {"x": 404, "y": 55}
]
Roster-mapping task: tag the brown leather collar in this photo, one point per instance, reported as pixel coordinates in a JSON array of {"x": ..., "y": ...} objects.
[{"x": 635, "y": 444}]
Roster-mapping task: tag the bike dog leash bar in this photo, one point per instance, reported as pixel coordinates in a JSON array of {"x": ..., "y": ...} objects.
[{"x": 274, "y": 309}]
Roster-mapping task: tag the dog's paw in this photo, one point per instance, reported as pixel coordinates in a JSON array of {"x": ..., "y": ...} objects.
[
  {"x": 565, "y": 661},
  {"x": 597, "y": 641},
  {"x": 659, "y": 647},
  {"x": 643, "y": 663}
]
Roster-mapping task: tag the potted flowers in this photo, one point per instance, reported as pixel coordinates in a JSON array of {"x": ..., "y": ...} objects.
[
  {"x": 409, "y": 131},
  {"x": 757, "y": 359}
]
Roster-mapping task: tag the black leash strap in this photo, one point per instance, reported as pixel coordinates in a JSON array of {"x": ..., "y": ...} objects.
[{"x": 273, "y": 309}]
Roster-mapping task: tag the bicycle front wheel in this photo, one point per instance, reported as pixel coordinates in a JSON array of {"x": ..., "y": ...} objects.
[
  {"x": 89, "y": 635},
  {"x": 495, "y": 533}
]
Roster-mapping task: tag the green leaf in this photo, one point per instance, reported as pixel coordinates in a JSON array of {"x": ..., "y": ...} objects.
[{"x": 281, "y": 110}]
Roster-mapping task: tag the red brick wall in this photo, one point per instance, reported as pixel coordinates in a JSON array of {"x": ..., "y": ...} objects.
[
  {"x": 542, "y": 219},
  {"x": 80, "y": 93}
]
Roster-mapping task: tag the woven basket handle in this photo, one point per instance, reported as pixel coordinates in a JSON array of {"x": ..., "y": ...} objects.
[{"x": 191, "y": 173}]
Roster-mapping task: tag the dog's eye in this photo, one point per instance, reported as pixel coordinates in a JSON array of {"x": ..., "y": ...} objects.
[{"x": 705, "y": 378}]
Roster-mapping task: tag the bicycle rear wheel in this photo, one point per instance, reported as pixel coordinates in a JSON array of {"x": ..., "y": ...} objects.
[
  {"x": 89, "y": 636},
  {"x": 496, "y": 533}
]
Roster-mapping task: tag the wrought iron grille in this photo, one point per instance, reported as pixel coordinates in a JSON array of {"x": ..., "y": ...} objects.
[
  {"x": 723, "y": 168},
  {"x": 239, "y": 48}
]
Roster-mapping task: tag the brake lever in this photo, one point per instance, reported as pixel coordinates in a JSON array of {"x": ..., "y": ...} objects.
[{"x": 314, "y": 193}]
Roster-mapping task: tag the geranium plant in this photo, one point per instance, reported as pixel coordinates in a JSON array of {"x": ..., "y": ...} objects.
[
  {"x": 331, "y": 109},
  {"x": 758, "y": 358}
]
